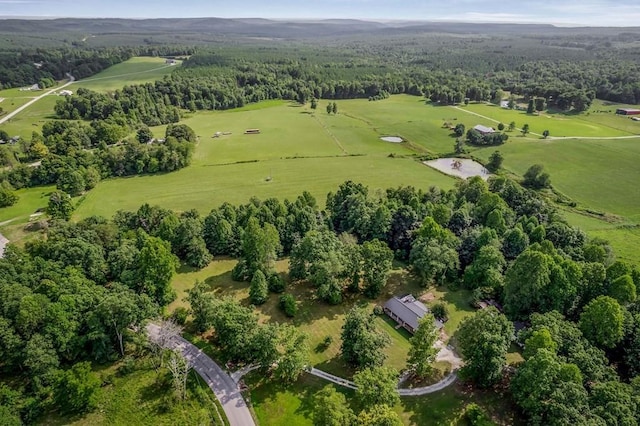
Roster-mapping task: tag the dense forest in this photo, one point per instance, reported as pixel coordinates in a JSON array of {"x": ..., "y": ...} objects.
[{"x": 76, "y": 295}]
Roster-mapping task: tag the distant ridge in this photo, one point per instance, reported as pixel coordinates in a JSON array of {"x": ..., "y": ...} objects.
[{"x": 259, "y": 27}]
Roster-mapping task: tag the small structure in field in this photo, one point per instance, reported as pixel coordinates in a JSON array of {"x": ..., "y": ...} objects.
[
  {"x": 484, "y": 129},
  {"x": 406, "y": 311},
  {"x": 170, "y": 61},
  {"x": 252, "y": 132},
  {"x": 392, "y": 139},
  {"x": 635, "y": 118},
  {"x": 65, "y": 93},
  {"x": 628, "y": 111}
]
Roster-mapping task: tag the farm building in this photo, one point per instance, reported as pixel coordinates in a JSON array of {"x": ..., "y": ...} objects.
[
  {"x": 628, "y": 111},
  {"x": 170, "y": 61},
  {"x": 252, "y": 132},
  {"x": 406, "y": 311},
  {"x": 65, "y": 93},
  {"x": 484, "y": 129}
]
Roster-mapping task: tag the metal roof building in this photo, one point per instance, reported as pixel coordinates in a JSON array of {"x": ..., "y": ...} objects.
[{"x": 406, "y": 311}]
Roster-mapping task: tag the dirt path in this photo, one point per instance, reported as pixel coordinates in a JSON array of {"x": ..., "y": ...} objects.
[
  {"x": 555, "y": 138},
  {"x": 326, "y": 129}
]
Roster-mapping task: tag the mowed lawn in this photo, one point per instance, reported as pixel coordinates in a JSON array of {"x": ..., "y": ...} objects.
[
  {"x": 137, "y": 70},
  {"x": 558, "y": 124}
]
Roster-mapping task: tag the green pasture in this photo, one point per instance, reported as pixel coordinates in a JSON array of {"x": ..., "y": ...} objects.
[
  {"x": 203, "y": 186},
  {"x": 31, "y": 200},
  {"x": 409, "y": 117},
  {"x": 603, "y": 175},
  {"x": 9, "y": 105},
  {"x": 558, "y": 124},
  {"x": 136, "y": 70},
  {"x": 32, "y": 118}
]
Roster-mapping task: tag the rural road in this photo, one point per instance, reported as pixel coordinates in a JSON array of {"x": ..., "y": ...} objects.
[
  {"x": 555, "y": 138},
  {"x": 34, "y": 100},
  {"x": 222, "y": 385}
]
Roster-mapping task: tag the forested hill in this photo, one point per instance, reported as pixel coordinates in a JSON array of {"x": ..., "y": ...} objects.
[{"x": 278, "y": 29}]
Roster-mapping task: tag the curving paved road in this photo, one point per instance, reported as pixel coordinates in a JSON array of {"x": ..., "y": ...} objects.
[{"x": 222, "y": 385}]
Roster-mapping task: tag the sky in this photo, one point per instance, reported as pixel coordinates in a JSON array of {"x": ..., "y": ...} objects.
[{"x": 564, "y": 12}]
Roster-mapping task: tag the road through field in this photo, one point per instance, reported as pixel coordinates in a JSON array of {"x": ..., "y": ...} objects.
[
  {"x": 551, "y": 137},
  {"x": 34, "y": 100}
]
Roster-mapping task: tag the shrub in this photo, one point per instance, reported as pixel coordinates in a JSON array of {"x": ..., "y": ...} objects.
[
  {"x": 288, "y": 305},
  {"x": 276, "y": 283},
  {"x": 7, "y": 198},
  {"x": 440, "y": 311},
  {"x": 180, "y": 315},
  {"x": 377, "y": 310}
]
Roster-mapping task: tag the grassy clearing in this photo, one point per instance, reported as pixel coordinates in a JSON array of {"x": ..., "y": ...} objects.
[
  {"x": 32, "y": 118},
  {"x": 136, "y": 70},
  {"x": 320, "y": 320},
  {"x": 203, "y": 187},
  {"x": 599, "y": 174},
  {"x": 277, "y": 405},
  {"x": 140, "y": 398},
  {"x": 31, "y": 200},
  {"x": 558, "y": 124}
]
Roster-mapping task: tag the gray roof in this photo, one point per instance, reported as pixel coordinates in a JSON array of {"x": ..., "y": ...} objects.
[
  {"x": 409, "y": 310},
  {"x": 484, "y": 129}
]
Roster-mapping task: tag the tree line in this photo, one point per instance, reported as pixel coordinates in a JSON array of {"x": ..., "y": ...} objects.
[{"x": 76, "y": 157}]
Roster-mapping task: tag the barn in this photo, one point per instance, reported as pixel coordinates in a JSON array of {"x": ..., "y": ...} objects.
[{"x": 628, "y": 111}]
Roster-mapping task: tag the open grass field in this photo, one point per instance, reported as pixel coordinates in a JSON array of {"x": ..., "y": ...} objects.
[
  {"x": 203, "y": 186},
  {"x": 32, "y": 118},
  {"x": 603, "y": 175},
  {"x": 31, "y": 200},
  {"x": 140, "y": 398},
  {"x": 136, "y": 70},
  {"x": 558, "y": 124}
]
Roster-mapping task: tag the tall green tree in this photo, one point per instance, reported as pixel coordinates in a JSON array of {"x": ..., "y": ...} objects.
[
  {"x": 362, "y": 344},
  {"x": 422, "y": 353},
  {"x": 379, "y": 415},
  {"x": 377, "y": 386},
  {"x": 76, "y": 389},
  {"x": 156, "y": 267},
  {"x": 330, "y": 408},
  {"x": 60, "y": 205},
  {"x": 377, "y": 259},
  {"x": 602, "y": 322},
  {"x": 484, "y": 339},
  {"x": 259, "y": 291}
]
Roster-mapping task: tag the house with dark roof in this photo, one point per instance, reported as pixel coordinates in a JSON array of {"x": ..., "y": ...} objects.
[{"x": 406, "y": 311}]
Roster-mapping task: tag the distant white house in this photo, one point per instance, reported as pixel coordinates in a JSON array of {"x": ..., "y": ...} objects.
[
  {"x": 170, "y": 61},
  {"x": 504, "y": 104},
  {"x": 26, "y": 89},
  {"x": 38, "y": 65},
  {"x": 484, "y": 129},
  {"x": 65, "y": 93}
]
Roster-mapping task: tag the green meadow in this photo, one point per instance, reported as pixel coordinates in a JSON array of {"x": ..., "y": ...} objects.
[
  {"x": 299, "y": 149},
  {"x": 136, "y": 70},
  {"x": 558, "y": 124}
]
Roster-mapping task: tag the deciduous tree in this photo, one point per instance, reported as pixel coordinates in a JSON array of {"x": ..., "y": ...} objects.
[
  {"x": 362, "y": 344},
  {"x": 422, "y": 353},
  {"x": 377, "y": 386}
]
